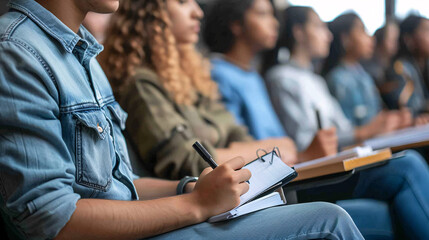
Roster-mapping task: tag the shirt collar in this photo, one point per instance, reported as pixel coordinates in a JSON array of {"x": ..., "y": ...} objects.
[{"x": 54, "y": 27}]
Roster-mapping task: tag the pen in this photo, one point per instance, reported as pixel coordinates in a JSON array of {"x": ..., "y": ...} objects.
[
  {"x": 204, "y": 154},
  {"x": 319, "y": 121}
]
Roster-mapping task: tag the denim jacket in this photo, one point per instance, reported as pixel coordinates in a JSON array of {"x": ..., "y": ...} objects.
[{"x": 60, "y": 126}]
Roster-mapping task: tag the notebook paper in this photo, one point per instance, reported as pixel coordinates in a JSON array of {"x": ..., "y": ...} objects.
[
  {"x": 264, "y": 175},
  {"x": 268, "y": 173}
]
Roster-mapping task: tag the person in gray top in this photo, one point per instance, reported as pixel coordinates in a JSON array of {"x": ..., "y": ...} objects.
[{"x": 297, "y": 92}]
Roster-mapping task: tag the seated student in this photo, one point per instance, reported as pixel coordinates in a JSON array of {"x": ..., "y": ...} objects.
[
  {"x": 297, "y": 92},
  {"x": 353, "y": 87},
  {"x": 165, "y": 86},
  {"x": 386, "y": 47},
  {"x": 241, "y": 87},
  {"x": 408, "y": 78},
  {"x": 242, "y": 27},
  {"x": 64, "y": 167}
]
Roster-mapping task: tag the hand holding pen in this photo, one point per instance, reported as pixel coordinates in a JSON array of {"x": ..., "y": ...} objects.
[{"x": 206, "y": 155}]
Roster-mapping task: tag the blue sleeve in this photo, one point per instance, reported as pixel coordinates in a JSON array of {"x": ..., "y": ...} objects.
[
  {"x": 230, "y": 96},
  {"x": 344, "y": 92},
  {"x": 36, "y": 169}
]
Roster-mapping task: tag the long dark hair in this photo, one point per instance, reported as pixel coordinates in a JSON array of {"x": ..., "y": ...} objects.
[
  {"x": 341, "y": 25},
  {"x": 407, "y": 28},
  {"x": 220, "y": 15},
  {"x": 289, "y": 18},
  {"x": 380, "y": 34}
]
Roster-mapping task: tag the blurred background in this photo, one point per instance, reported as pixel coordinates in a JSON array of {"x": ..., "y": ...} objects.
[{"x": 372, "y": 12}]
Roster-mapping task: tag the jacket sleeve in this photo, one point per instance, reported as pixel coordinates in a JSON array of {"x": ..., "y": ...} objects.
[{"x": 36, "y": 169}]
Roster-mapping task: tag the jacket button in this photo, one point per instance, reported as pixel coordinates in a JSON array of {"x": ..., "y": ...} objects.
[{"x": 100, "y": 129}]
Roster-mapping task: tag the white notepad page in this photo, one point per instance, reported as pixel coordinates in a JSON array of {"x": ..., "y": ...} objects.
[{"x": 264, "y": 175}]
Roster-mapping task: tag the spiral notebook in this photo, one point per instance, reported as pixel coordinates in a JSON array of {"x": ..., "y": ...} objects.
[{"x": 269, "y": 173}]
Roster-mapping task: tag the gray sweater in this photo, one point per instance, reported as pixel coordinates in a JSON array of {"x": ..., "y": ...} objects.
[{"x": 296, "y": 93}]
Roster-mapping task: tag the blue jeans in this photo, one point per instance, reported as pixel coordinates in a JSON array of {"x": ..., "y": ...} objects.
[
  {"x": 403, "y": 183},
  {"x": 301, "y": 221},
  {"x": 372, "y": 217}
]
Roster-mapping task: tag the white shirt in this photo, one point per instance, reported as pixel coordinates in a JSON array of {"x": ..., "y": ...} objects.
[{"x": 296, "y": 93}]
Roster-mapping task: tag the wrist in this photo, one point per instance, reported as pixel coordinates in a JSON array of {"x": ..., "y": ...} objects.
[
  {"x": 189, "y": 187},
  {"x": 362, "y": 133},
  {"x": 182, "y": 185},
  {"x": 200, "y": 211}
]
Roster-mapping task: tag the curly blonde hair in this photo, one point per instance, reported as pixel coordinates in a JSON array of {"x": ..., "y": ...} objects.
[{"x": 140, "y": 35}]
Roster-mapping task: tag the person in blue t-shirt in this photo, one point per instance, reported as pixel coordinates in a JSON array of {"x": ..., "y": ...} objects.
[{"x": 247, "y": 28}]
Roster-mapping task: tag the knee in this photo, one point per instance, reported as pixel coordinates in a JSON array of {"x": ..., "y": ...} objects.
[
  {"x": 416, "y": 158},
  {"x": 332, "y": 219},
  {"x": 410, "y": 163},
  {"x": 335, "y": 212}
]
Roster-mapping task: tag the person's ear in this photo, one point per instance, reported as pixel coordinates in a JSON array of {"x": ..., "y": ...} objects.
[{"x": 236, "y": 28}]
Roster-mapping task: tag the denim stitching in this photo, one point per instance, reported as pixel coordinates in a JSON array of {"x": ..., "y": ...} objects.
[
  {"x": 12, "y": 27},
  {"x": 41, "y": 24},
  {"x": 39, "y": 58}
]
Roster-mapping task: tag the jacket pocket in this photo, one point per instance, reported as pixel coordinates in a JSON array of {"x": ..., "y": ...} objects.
[{"x": 94, "y": 150}]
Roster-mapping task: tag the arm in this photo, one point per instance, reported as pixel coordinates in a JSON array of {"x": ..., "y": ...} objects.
[
  {"x": 37, "y": 171},
  {"x": 295, "y": 112},
  {"x": 344, "y": 92},
  {"x": 230, "y": 97},
  {"x": 109, "y": 219},
  {"x": 152, "y": 188},
  {"x": 215, "y": 192},
  {"x": 248, "y": 150}
]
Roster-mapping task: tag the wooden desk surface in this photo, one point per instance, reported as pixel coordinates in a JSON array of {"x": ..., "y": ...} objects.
[{"x": 342, "y": 166}]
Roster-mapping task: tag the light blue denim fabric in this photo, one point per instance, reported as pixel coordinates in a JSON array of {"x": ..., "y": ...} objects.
[
  {"x": 60, "y": 126},
  {"x": 316, "y": 220},
  {"x": 356, "y": 92}
]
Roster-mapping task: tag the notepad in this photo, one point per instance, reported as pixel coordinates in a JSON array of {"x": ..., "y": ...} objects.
[
  {"x": 398, "y": 138},
  {"x": 269, "y": 172},
  {"x": 271, "y": 200}
]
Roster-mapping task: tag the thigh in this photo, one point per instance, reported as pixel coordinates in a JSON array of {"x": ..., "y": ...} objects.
[
  {"x": 385, "y": 182},
  {"x": 300, "y": 221}
]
